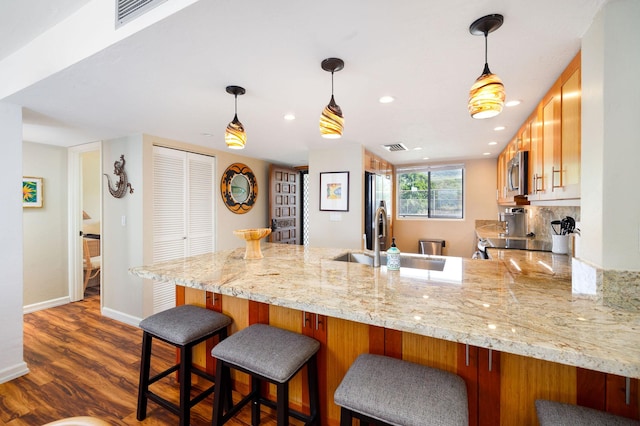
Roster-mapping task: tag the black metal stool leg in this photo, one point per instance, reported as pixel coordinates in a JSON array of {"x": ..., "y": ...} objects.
[
  {"x": 145, "y": 366},
  {"x": 345, "y": 417},
  {"x": 222, "y": 393},
  {"x": 314, "y": 397},
  {"x": 185, "y": 385},
  {"x": 255, "y": 403},
  {"x": 283, "y": 403}
]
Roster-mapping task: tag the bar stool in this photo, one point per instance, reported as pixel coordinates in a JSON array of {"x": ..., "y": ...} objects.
[
  {"x": 183, "y": 327},
  {"x": 269, "y": 354},
  {"x": 387, "y": 391},
  {"x": 551, "y": 413}
]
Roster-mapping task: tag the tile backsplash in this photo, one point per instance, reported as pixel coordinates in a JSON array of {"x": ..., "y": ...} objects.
[{"x": 539, "y": 219}]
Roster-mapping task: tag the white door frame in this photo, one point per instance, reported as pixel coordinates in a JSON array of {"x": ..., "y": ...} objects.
[{"x": 74, "y": 182}]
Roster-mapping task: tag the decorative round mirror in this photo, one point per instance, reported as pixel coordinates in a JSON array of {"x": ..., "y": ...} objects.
[{"x": 239, "y": 188}]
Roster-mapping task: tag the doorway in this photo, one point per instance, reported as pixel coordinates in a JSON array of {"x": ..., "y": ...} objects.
[{"x": 85, "y": 219}]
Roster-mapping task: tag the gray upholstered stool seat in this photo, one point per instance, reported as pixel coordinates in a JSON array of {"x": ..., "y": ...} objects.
[
  {"x": 551, "y": 413},
  {"x": 383, "y": 390},
  {"x": 271, "y": 354},
  {"x": 183, "y": 327}
]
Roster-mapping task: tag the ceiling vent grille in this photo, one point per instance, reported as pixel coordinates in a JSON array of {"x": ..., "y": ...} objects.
[
  {"x": 395, "y": 147},
  {"x": 127, "y": 10}
]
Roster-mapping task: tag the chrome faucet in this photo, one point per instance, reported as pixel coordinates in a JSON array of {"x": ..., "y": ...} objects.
[{"x": 381, "y": 214}]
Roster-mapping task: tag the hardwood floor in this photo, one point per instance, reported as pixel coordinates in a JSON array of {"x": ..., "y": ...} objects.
[{"x": 82, "y": 363}]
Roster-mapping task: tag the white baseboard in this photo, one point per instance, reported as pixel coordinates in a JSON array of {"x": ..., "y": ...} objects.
[
  {"x": 45, "y": 305},
  {"x": 122, "y": 317},
  {"x": 13, "y": 372}
]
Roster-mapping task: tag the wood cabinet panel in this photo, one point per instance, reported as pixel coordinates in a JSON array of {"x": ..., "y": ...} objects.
[
  {"x": 523, "y": 380},
  {"x": 536, "y": 156},
  {"x": 551, "y": 134},
  {"x": 292, "y": 320},
  {"x": 571, "y": 137},
  {"x": 345, "y": 341},
  {"x": 429, "y": 351}
]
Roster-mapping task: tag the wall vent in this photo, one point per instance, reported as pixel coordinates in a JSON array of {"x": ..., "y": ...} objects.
[
  {"x": 127, "y": 10},
  {"x": 395, "y": 147}
]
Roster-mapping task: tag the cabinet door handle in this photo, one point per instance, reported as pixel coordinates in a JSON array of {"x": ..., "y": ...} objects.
[
  {"x": 627, "y": 390},
  {"x": 553, "y": 178},
  {"x": 490, "y": 360},
  {"x": 466, "y": 354}
]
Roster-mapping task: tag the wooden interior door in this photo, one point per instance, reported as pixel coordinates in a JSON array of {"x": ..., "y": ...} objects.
[{"x": 284, "y": 205}]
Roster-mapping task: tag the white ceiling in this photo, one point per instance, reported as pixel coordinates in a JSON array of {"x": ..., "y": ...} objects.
[{"x": 169, "y": 79}]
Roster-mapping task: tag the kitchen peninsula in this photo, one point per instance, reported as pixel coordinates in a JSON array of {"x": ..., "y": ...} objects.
[{"x": 517, "y": 310}]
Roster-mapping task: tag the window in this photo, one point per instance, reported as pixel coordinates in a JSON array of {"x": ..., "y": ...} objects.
[{"x": 433, "y": 192}]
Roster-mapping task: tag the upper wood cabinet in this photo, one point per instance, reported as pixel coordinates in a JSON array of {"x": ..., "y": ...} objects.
[
  {"x": 375, "y": 164},
  {"x": 552, "y": 136}
]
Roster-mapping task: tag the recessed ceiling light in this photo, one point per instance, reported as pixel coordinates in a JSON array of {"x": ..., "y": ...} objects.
[
  {"x": 512, "y": 103},
  {"x": 425, "y": 158},
  {"x": 493, "y": 143},
  {"x": 417, "y": 148},
  {"x": 486, "y": 153},
  {"x": 499, "y": 128},
  {"x": 386, "y": 99},
  {"x": 206, "y": 134},
  {"x": 289, "y": 117}
]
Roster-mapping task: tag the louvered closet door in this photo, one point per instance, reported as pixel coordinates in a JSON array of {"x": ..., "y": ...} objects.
[
  {"x": 200, "y": 206},
  {"x": 182, "y": 212}
]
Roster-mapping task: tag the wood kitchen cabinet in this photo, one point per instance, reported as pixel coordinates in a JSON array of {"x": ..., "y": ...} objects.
[
  {"x": 552, "y": 136},
  {"x": 556, "y": 139},
  {"x": 502, "y": 387}
]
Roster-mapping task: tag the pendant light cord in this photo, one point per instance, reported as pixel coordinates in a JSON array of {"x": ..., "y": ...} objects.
[
  {"x": 485, "y": 48},
  {"x": 331, "y": 83}
]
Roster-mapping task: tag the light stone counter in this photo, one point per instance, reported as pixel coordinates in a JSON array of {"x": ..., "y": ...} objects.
[{"x": 520, "y": 302}]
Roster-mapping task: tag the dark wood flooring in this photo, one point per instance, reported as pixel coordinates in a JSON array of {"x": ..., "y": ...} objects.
[{"x": 84, "y": 364}]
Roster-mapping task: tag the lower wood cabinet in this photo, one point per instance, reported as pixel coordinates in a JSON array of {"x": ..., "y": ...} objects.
[{"x": 502, "y": 387}]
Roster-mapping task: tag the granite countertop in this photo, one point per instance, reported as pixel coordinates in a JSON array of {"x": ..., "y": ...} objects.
[{"x": 520, "y": 302}]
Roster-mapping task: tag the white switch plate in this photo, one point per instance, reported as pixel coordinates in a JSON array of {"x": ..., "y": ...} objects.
[
  {"x": 335, "y": 217},
  {"x": 124, "y": 221}
]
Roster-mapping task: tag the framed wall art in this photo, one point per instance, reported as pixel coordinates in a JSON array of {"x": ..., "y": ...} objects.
[
  {"x": 334, "y": 191},
  {"x": 32, "y": 192}
]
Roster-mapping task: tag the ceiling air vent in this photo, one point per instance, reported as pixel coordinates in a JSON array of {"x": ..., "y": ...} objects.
[
  {"x": 127, "y": 10},
  {"x": 395, "y": 147}
]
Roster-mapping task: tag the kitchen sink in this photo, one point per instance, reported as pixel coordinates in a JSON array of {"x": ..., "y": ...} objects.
[{"x": 406, "y": 261}]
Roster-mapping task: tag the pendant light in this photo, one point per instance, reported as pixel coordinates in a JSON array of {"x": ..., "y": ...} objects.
[
  {"x": 235, "y": 137},
  {"x": 331, "y": 119},
  {"x": 486, "y": 97}
]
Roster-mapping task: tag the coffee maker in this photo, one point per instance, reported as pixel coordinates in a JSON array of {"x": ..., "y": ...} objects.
[{"x": 515, "y": 222}]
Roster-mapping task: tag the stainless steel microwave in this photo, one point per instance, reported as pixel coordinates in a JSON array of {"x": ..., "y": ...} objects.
[{"x": 517, "y": 174}]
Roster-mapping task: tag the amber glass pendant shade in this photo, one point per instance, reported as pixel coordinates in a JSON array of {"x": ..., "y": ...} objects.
[
  {"x": 486, "y": 97},
  {"x": 331, "y": 119},
  {"x": 235, "y": 136}
]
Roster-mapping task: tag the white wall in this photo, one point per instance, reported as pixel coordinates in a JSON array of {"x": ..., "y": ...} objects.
[
  {"x": 91, "y": 180},
  {"x": 45, "y": 229},
  {"x": 346, "y": 231},
  {"x": 122, "y": 242},
  {"x": 12, "y": 364},
  {"x": 88, "y": 31},
  {"x": 610, "y": 149}
]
